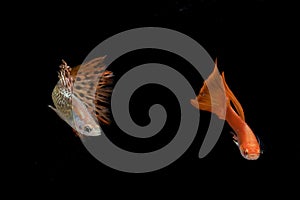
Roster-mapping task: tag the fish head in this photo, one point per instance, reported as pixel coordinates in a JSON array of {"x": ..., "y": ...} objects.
[
  {"x": 81, "y": 121},
  {"x": 87, "y": 129},
  {"x": 84, "y": 121},
  {"x": 250, "y": 152}
]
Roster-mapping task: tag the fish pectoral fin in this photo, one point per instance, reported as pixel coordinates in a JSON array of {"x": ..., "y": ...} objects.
[
  {"x": 261, "y": 145},
  {"x": 61, "y": 116},
  {"x": 235, "y": 139},
  {"x": 235, "y": 142},
  {"x": 54, "y": 109},
  {"x": 57, "y": 112}
]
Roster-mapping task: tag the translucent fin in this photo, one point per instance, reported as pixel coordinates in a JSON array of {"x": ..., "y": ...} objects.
[
  {"x": 213, "y": 98},
  {"x": 58, "y": 113},
  {"x": 261, "y": 144},
  {"x": 235, "y": 138},
  {"x": 92, "y": 86},
  {"x": 233, "y": 99},
  {"x": 217, "y": 83},
  {"x": 103, "y": 93},
  {"x": 62, "y": 116}
]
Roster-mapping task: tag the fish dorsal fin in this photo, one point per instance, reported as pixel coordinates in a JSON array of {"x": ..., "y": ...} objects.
[
  {"x": 92, "y": 86},
  {"x": 238, "y": 107}
]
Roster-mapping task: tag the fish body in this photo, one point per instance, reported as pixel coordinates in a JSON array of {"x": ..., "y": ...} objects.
[
  {"x": 81, "y": 95},
  {"x": 213, "y": 101}
]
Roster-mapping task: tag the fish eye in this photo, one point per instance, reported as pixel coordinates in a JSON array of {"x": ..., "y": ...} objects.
[
  {"x": 87, "y": 129},
  {"x": 245, "y": 152}
]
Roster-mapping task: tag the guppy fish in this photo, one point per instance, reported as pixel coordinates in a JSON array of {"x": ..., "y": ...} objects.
[
  {"x": 243, "y": 136},
  {"x": 81, "y": 96}
]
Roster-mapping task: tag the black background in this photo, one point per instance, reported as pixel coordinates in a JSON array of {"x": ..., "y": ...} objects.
[{"x": 252, "y": 43}]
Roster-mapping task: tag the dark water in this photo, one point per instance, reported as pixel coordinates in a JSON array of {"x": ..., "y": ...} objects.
[{"x": 243, "y": 36}]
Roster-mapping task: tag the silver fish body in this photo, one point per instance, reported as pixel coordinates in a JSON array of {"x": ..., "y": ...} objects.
[
  {"x": 70, "y": 109},
  {"x": 77, "y": 106}
]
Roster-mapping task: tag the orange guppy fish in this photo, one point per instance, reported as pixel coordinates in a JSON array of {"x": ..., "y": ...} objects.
[
  {"x": 81, "y": 96},
  {"x": 243, "y": 136}
]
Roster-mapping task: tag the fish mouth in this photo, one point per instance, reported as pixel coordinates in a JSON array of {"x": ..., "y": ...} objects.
[{"x": 252, "y": 156}]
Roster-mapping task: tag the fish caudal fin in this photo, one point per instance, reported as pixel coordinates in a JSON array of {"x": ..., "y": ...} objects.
[
  {"x": 103, "y": 94},
  {"x": 212, "y": 96},
  {"x": 92, "y": 86}
]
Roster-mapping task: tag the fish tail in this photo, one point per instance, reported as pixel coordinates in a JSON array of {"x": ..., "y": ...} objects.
[
  {"x": 102, "y": 97},
  {"x": 86, "y": 75},
  {"x": 212, "y": 97}
]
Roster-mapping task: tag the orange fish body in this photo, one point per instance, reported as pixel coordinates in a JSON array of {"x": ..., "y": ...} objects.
[{"x": 243, "y": 135}]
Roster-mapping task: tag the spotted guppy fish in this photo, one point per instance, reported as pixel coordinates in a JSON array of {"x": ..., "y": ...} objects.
[{"x": 81, "y": 96}]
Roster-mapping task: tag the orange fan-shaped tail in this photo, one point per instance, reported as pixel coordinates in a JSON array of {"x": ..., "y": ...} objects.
[{"x": 215, "y": 96}]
